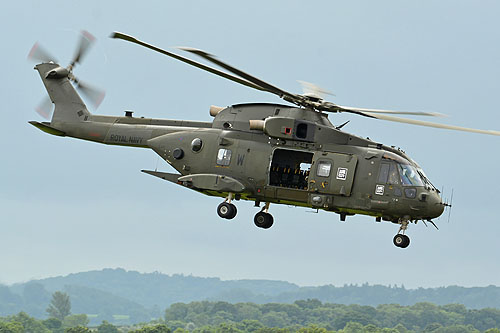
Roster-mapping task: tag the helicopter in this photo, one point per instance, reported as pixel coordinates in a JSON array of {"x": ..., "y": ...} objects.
[{"x": 267, "y": 153}]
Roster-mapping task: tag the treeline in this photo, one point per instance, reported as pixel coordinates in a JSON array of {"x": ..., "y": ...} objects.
[
  {"x": 309, "y": 316},
  {"x": 22, "y": 323},
  {"x": 127, "y": 297},
  {"x": 110, "y": 293},
  {"x": 332, "y": 317}
]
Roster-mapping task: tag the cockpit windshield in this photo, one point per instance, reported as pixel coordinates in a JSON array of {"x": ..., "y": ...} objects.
[
  {"x": 426, "y": 180},
  {"x": 409, "y": 175},
  {"x": 399, "y": 173}
]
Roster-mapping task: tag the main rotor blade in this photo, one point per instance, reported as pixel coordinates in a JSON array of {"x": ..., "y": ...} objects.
[
  {"x": 38, "y": 53},
  {"x": 86, "y": 40},
  {"x": 268, "y": 87},
  {"x": 381, "y": 111},
  {"x": 212, "y": 70},
  {"x": 309, "y": 88},
  {"x": 429, "y": 124}
]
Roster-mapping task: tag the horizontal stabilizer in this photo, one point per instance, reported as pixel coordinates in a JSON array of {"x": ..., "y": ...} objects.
[
  {"x": 47, "y": 129},
  {"x": 213, "y": 182},
  {"x": 201, "y": 182},
  {"x": 171, "y": 177}
]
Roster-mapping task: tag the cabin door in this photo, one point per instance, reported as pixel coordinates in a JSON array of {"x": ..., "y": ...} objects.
[{"x": 332, "y": 173}]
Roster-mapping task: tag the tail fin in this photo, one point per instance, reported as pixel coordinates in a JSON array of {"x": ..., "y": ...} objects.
[{"x": 69, "y": 107}]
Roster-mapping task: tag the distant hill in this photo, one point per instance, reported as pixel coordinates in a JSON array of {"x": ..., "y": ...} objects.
[{"x": 142, "y": 296}]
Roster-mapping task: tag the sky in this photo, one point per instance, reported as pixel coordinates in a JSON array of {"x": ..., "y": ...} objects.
[{"x": 69, "y": 206}]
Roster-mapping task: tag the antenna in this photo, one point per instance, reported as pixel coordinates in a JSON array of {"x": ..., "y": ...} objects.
[{"x": 450, "y": 205}]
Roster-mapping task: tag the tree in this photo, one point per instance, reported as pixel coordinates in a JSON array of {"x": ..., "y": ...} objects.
[
  {"x": 312, "y": 329},
  {"x": 352, "y": 327},
  {"x": 60, "y": 306},
  {"x": 160, "y": 328},
  {"x": 106, "y": 327},
  {"x": 12, "y": 327},
  {"x": 77, "y": 329},
  {"x": 76, "y": 320},
  {"x": 249, "y": 325},
  {"x": 227, "y": 328},
  {"x": 30, "y": 324},
  {"x": 181, "y": 330},
  {"x": 53, "y": 324}
]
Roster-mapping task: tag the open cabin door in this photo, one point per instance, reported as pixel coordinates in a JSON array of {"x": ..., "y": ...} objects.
[{"x": 332, "y": 173}]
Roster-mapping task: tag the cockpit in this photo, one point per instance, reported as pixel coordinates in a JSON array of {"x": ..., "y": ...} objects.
[
  {"x": 396, "y": 173},
  {"x": 403, "y": 176}
]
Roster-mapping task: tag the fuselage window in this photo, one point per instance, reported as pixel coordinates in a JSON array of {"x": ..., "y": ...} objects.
[
  {"x": 384, "y": 173},
  {"x": 393, "y": 175},
  {"x": 224, "y": 157},
  {"x": 410, "y": 193},
  {"x": 196, "y": 145},
  {"x": 324, "y": 169}
]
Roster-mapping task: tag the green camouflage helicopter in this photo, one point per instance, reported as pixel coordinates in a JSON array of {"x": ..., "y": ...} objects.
[{"x": 266, "y": 153}]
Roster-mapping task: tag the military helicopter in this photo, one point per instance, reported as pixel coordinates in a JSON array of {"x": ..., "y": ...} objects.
[{"x": 266, "y": 153}]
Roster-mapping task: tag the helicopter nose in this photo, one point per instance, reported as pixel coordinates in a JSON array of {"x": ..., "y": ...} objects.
[{"x": 435, "y": 205}]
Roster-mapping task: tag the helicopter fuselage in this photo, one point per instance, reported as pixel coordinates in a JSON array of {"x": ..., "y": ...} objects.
[
  {"x": 275, "y": 154},
  {"x": 266, "y": 153}
]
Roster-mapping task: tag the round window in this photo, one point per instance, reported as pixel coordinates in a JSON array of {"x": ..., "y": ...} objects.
[{"x": 196, "y": 144}]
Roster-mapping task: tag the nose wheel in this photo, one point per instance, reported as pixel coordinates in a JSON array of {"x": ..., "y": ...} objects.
[
  {"x": 263, "y": 219},
  {"x": 401, "y": 240},
  {"x": 227, "y": 210}
]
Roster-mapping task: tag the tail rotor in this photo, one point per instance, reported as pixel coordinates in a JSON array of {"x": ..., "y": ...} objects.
[
  {"x": 45, "y": 108},
  {"x": 92, "y": 94},
  {"x": 38, "y": 53},
  {"x": 86, "y": 41}
]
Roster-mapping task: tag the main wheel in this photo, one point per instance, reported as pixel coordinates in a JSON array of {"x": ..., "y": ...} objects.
[
  {"x": 227, "y": 210},
  {"x": 401, "y": 241},
  {"x": 263, "y": 220}
]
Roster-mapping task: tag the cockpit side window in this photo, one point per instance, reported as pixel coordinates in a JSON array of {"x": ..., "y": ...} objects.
[
  {"x": 409, "y": 176},
  {"x": 393, "y": 175},
  {"x": 384, "y": 173},
  {"x": 397, "y": 173}
]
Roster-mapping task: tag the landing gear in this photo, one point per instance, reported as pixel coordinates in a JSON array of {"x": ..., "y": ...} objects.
[
  {"x": 263, "y": 219},
  {"x": 401, "y": 240},
  {"x": 227, "y": 210}
]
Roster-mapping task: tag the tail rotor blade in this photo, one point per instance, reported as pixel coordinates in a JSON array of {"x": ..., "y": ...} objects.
[
  {"x": 45, "y": 108},
  {"x": 38, "y": 53},
  {"x": 86, "y": 40},
  {"x": 92, "y": 94}
]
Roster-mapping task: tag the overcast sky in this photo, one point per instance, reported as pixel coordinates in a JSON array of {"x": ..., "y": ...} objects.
[{"x": 68, "y": 206}]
